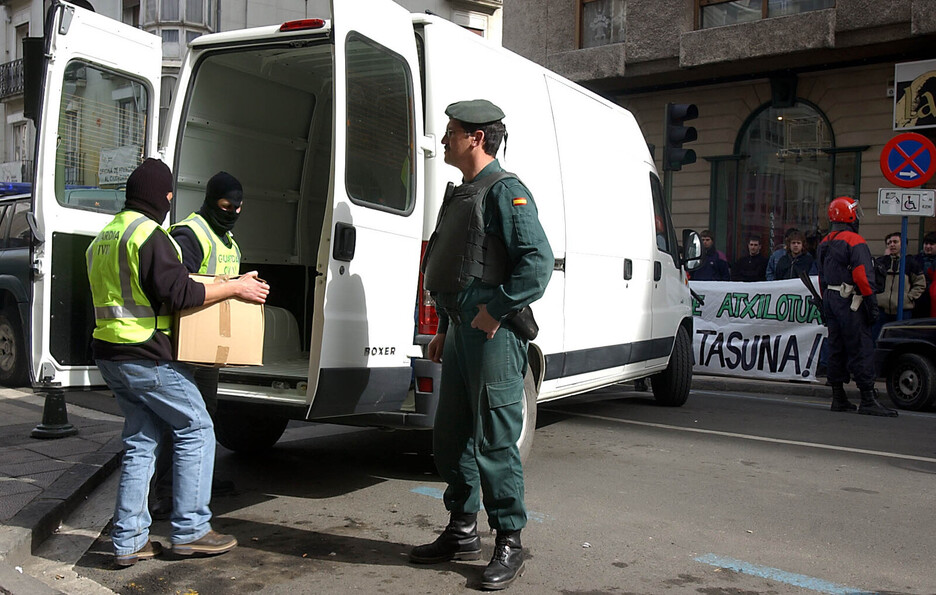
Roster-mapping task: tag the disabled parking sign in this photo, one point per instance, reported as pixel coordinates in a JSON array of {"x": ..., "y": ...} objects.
[{"x": 908, "y": 160}]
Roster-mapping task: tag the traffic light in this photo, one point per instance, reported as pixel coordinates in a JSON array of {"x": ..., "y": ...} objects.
[{"x": 675, "y": 134}]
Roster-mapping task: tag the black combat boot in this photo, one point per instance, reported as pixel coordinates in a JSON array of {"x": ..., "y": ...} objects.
[
  {"x": 507, "y": 562},
  {"x": 871, "y": 406},
  {"x": 840, "y": 400},
  {"x": 459, "y": 541}
]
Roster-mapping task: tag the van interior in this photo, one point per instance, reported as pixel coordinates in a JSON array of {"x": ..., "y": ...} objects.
[{"x": 264, "y": 115}]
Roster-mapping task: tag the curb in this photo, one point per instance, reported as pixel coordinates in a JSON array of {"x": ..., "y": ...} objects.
[{"x": 779, "y": 387}]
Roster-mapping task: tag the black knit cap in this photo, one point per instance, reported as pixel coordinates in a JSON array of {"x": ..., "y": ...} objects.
[
  {"x": 147, "y": 188},
  {"x": 224, "y": 185}
]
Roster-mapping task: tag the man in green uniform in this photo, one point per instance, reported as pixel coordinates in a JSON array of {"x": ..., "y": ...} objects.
[
  {"x": 481, "y": 275},
  {"x": 208, "y": 247}
]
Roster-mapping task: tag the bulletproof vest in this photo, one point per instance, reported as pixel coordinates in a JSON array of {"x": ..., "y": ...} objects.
[{"x": 459, "y": 251}]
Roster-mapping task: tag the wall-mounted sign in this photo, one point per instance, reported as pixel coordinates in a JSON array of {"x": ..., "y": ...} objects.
[{"x": 915, "y": 95}]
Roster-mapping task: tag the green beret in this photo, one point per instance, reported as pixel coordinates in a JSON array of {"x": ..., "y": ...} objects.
[{"x": 475, "y": 111}]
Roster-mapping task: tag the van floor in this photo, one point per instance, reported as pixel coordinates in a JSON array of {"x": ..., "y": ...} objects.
[{"x": 297, "y": 367}]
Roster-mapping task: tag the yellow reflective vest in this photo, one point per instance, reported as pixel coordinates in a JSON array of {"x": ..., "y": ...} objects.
[
  {"x": 217, "y": 259},
  {"x": 122, "y": 311}
]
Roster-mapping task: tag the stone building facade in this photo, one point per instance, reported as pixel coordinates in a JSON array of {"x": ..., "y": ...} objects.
[{"x": 796, "y": 97}]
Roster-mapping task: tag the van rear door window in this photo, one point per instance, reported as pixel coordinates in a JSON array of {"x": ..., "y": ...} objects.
[
  {"x": 102, "y": 132},
  {"x": 380, "y": 160}
]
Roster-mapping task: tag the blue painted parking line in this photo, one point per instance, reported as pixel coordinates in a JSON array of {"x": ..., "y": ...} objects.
[
  {"x": 536, "y": 517},
  {"x": 775, "y": 574}
]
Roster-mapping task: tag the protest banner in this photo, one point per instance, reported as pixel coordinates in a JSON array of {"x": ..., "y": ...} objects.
[{"x": 767, "y": 330}]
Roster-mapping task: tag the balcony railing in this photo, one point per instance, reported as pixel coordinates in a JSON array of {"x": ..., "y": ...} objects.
[{"x": 11, "y": 79}]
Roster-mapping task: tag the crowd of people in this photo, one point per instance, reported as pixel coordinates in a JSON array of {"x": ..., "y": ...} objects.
[{"x": 798, "y": 254}]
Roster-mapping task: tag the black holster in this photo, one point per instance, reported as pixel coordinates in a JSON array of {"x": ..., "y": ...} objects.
[{"x": 522, "y": 323}]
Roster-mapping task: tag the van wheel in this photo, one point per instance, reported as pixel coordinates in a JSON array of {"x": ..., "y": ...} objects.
[
  {"x": 244, "y": 429},
  {"x": 525, "y": 443},
  {"x": 13, "y": 370},
  {"x": 911, "y": 382},
  {"x": 671, "y": 386}
]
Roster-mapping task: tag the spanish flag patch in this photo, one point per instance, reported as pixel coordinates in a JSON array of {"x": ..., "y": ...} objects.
[{"x": 519, "y": 201}]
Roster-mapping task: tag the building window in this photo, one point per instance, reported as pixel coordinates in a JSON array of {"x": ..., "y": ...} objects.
[
  {"x": 716, "y": 13},
  {"x": 130, "y": 13},
  {"x": 170, "y": 43},
  {"x": 195, "y": 12},
  {"x": 783, "y": 174},
  {"x": 595, "y": 23},
  {"x": 169, "y": 10}
]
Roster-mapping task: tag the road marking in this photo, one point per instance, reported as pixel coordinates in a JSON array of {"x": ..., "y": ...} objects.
[
  {"x": 891, "y": 455},
  {"x": 775, "y": 574},
  {"x": 537, "y": 517}
]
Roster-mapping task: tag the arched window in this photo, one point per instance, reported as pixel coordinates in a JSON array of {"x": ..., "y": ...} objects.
[{"x": 784, "y": 171}]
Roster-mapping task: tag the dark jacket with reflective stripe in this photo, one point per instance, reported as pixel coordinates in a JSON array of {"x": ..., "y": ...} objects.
[
  {"x": 165, "y": 281},
  {"x": 843, "y": 257}
]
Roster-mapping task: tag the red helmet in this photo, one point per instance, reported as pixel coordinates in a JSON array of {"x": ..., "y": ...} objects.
[{"x": 844, "y": 209}]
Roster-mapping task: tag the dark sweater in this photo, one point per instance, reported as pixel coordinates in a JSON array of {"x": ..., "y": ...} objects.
[
  {"x": 165, "y": 281},
  {"x": 750, "y": 268}
]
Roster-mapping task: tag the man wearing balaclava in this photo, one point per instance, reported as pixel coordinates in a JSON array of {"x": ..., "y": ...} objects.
[
  {"x": 137, "y": 282},
  {"x": 208, "y": 247}
]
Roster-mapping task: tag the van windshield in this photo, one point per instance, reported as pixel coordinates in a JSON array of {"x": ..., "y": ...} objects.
[{"x": 102, "y": 132}]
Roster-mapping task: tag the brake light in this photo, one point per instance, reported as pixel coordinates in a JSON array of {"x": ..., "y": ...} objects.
[
  {"x": 424, "y": 384},
  {"x": 427, "y": 321},
  {"x": 302, "y": 25}
]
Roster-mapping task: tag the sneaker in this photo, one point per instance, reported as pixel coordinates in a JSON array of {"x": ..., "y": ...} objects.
[
  {"x": 150, "y": 549},
  {"x": 211, "y": 544}
]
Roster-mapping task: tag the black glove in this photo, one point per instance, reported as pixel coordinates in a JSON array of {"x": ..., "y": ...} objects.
[{"x": 870, "y": 306}]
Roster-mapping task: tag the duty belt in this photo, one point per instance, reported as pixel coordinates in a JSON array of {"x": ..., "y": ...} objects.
[
  {"x": 847, "y": 290},
  {"x": 454, "y": 315}
]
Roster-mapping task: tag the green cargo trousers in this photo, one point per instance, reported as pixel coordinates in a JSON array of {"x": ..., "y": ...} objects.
[{"x": 478, "y": 423}]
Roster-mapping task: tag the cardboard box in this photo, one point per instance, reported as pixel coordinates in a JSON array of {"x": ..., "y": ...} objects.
[{"x": 228, "y": 333}]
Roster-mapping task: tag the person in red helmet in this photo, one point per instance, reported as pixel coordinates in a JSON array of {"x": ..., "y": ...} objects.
[{"x": 849, "y": 308}]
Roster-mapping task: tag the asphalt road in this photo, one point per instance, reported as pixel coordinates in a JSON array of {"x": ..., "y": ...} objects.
[{"x": 731, "y": 494}]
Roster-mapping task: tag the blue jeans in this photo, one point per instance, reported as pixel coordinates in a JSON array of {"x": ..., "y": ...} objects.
[{"x": 155, "y": 395}]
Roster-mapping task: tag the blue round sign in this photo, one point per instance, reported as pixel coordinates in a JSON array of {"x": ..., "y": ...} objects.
[{"x": 908, "y": 160}]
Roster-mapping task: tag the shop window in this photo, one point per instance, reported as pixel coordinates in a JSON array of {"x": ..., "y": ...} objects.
[
  {"x": 716, "y": 13},
  {"x": 783, "y": 174}
]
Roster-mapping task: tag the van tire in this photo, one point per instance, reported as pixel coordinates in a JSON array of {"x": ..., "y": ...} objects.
[
  {"x": 525, "y": 442},
  {"x": 911, "y": 382},
  {"x": 671, "y": 386},
  {"x": 246, "y": 429},
  {"x": 13, "y": 370}
]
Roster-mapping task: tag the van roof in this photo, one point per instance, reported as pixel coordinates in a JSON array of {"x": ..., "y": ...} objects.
[{"x": 265, "y": 33}]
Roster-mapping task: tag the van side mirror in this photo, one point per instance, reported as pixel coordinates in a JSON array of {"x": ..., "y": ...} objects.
[
  {"x": 33, "y": 72},
  {"x": 692, "y": 250}
]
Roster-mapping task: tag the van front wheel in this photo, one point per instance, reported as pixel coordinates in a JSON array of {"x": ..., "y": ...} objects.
[
  {"x": 525, "y": 442},
  {"x": 245, "y": 429},
  {"x": 671, "y": 386}
]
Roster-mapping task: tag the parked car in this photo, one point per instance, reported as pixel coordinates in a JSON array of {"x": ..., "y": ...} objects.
[
  {"x": 906, "y": 358},
  {"x": 15, "y": 239}
]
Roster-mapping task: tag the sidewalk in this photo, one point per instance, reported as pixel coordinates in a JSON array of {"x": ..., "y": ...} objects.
[{"x": 43, "y": 480}]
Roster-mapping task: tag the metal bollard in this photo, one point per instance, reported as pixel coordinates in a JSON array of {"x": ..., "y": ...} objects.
[{"x": 54, "y": 417}]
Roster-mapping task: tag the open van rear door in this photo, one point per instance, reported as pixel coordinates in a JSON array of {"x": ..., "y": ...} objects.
[
  {"x": 99, "y": 105},
  {"x": 365, "y": 295}
]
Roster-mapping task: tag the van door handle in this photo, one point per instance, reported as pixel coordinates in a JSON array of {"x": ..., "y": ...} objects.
[
  {"x": 628, "y": 269},
  {"x": 657, "y": 270},
  {"x": 344, "y": 242}
]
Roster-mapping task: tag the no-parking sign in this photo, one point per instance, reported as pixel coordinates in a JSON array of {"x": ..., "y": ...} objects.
[{"x": 908, "y": 160}]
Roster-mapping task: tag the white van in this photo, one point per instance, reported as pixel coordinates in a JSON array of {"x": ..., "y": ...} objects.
[{"x": 334, "y": 128}]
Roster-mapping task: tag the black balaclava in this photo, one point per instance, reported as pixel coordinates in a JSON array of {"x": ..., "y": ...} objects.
[
  {"x": 147, "y": 188},
  {"x": 222, "y": 185}
]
